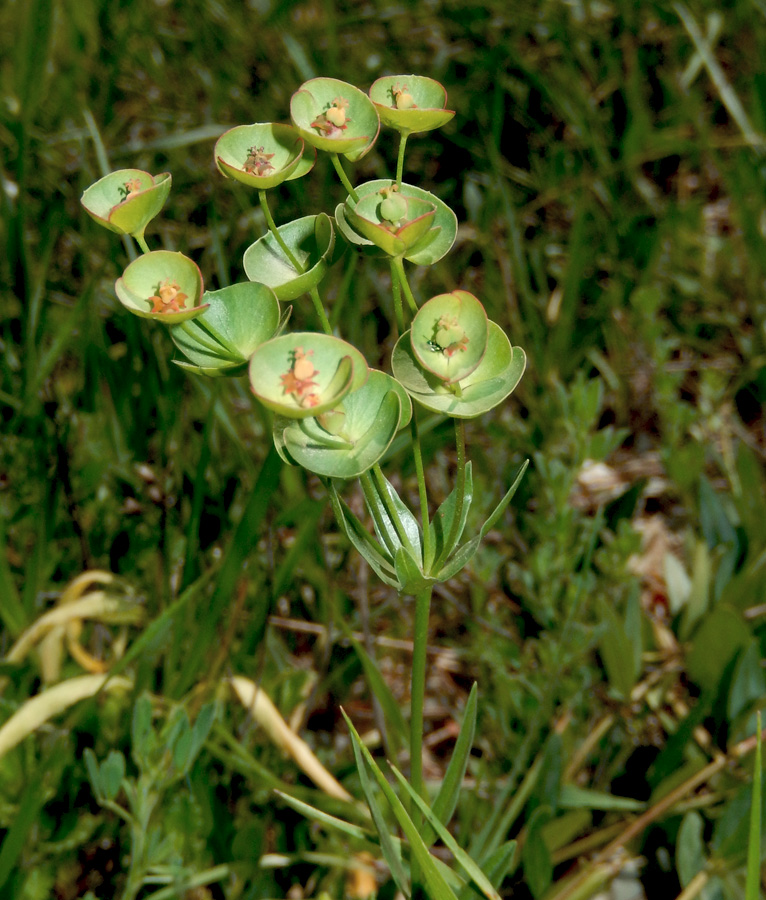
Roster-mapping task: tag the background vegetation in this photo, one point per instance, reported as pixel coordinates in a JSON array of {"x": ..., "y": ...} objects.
[{"x": 607, "y": 166}]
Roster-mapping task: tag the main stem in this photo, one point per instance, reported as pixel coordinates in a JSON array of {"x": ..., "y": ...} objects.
[{"x": 418, "y": 689}]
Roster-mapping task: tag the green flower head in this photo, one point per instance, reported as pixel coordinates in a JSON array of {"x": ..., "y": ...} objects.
[{"x": 127, "y": 200}]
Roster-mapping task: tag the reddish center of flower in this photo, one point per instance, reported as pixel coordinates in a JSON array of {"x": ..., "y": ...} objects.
[
  {"x": 130, "y": 189},
  {"x": 334, "y": 119},
  {"x": 449, "y": 337},
  {"x": 168, "y": 297},
  {"x": 257, "y": 162},
  {"x": 298, "y": 380},
  {"x": 402, "y": 98}
]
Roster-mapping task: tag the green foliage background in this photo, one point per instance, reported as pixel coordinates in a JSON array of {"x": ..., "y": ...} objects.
[{"x": 606, "y": 164}]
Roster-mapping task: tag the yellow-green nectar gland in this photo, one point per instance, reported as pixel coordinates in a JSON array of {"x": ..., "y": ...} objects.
[
  {"x": 402, "y": 98},
  {"x": 129, "y": 189},
  {"x": 448, "y": 337},
  {"x": 334, "y": 119},
  {"x": 297, "y": 381},
  {"x": 168, "y": 297},
  {"x": 393, "y": 207},
  {"x": 257, "y": 162}
]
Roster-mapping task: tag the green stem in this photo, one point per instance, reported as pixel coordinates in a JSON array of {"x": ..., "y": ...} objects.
[
  {"x": 420, "y": 474},
  {"x": 277, "y": 236},
  {"x": 319, "y": 307},
  {"x": 459, "y": 494},
  {"x": 418, "y": 689},
  {"x": 397, "y": 292},
  {"x": 399, "y": 266},
  {"x": 141, "y": 241},
  {"x": 343, "y": 177},
  {"x": 400, "y": 159}
]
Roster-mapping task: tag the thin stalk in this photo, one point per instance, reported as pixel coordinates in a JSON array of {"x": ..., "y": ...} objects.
[
  {"x": 393, "y": 514},
  {"x": 459, "y": 494},
  {"x": 396, "y": 289},
  {"x": 277, "y": 236},
  {"x": 141, "y": 241},
  {"x": 343, "y": 177},
  {"x": 422, "y": 491},
  {"x": 319, "y": 307},
  {"x": 399, "y": 267},
  {"x": 400, "y": 159}
]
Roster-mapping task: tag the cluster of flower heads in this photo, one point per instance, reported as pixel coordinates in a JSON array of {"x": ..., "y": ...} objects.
[{"x": 452, "y": 360}]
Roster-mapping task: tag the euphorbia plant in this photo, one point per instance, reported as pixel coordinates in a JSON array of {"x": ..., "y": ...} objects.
[{"x": 332, "y": 414}]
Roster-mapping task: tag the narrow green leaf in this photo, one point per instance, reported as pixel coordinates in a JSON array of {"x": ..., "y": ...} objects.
[
  {"x": 503, "y": 504},
  {"x": 538, "y": 865},
  {"x": 408, "y": 522},
  {"x": 435, "y": 882},
  {"x": 391, "y": 850},
  {"x": 317, "y": 815},
  {"x": 617, "y": 653},
  {"x": 378, "y": 558},
  {"x": 752, "y": 885},
  {"x": 574, "y": 797},
  {"x": 463, "y": 859},
  {"x": 94, "y": 772},
  {"x": 690, "y": 849},
  {"x": 449, "y": 790},
  {"x": 141, "y": 731},
  {"x": 112, "y": 771},
  {"x": 441, "y": 524}
]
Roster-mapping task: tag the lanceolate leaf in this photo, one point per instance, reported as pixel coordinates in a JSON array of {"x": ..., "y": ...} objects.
[
  {"x": 441, "y": 524},
  {"x": 391, "y": 849},
  {"x": 436, "y": 885},
  {"x": 446, "y": 800},
  {"x": 370, "y": 549},
  {"x": 471, "y": 868}
]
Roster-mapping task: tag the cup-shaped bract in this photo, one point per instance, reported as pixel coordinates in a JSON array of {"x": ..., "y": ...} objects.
[
  {"x": 353, "y": 436},
  {"x": 495, "y": 377},
  {"x": 305, "y": 373},
  {"x": 335, "y": 117},
  {"x": 162, "y": 285},
  {"x": 311, "y": 240},
  {"x": 392, "y": 220},
  {"x": 238, "y": 319},
  {"x": 423, "y": 235},
  {"x": 449, "y": 335},
  {"x": 263, "y": 155},
  {"x": 410, "y": 103},
  {"x": 127, "y": 200}
]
